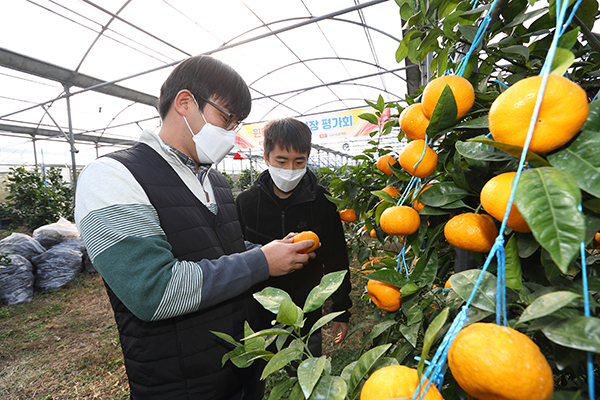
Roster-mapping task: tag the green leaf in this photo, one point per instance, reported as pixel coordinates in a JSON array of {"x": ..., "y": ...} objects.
[
  {"x": 363, "y": 366},
  {"x": 568, "y": 39},
  {"x": 309, "y": 372},
  {"x": 563, "y": 59},
  {"x": 425, "y": 270},
  {"x": 385, "y": 196},
  {"x": 378, "y": 330},
  {"x": 324, "y": 320},
  {"x": 463, "y": 284},
  {"x": 409, "y": 288},
  {"x": 442, "y": 193},
  {"x": 567, "y": 396},
  {"x": 317, "y": 296},
  {"x": 330, "y": 387},
  {"x": 581, "y": 333},
  {"x": 268, "y": 332},
  {"x": 547, "y": 304},
  {"x": 514, "y": 276},
  {"x": 517, "y": 49},
  {"x": 475, "y": 123},
  {"x": 432, "y": 331},
  {"x": 289, "y": 313},
  {"x": 581, "y": 160},
  {"x": 533, "y": 159},
  {"x": 270, "y": 298},
  {"x": 280, "y": 360},
  {"x": 388, "y": 276},
  {"x": 226, "y": 338},
  {"x": 279, "y": 390},
  {"x": 548, "y": 200},
  {"x": 444, "y": 113},
  {"x": 371, "y": 118},
  {"x": 411, "y": 333}
]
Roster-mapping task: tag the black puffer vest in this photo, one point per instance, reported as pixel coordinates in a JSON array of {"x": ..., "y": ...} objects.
[{"x": 179, "y": 358}]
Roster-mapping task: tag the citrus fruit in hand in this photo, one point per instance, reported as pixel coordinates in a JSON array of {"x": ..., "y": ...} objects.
[
  {"x": 307, "y": 235},
  {"x": 392, "y": 191},
  {"x": 348, "y": 215},
  {"x": 385, "y": 296},
  {"x": 492, "y": 362},
  {"x": 413, "y": 122},
  {"x": 469, "y": 231},
  {"x": 384, "y": 162},
  {"x": 463, "y": 92},
  {"x": 396, "y": 382},
  {"x": 399, "y": 221},
  {"x": 494, "y": 198},
  {"x": 412, "y": 153},
  {"x": 417, "y": 205},
  {"x": 562, "y": 113}
]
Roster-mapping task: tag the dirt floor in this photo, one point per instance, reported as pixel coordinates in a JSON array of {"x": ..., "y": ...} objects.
[{"x": 64, "y": 344}]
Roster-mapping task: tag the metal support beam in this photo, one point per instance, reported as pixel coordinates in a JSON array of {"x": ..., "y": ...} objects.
[{"x": 71, "y": 139}]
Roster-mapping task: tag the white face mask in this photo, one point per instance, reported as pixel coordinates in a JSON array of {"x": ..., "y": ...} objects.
[
  {"x": 286, "y": 180},
  {"x": 212, "y": 142}
]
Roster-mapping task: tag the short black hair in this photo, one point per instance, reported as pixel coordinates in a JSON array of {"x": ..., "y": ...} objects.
[
  {"x": 287, "y": 133},
  {"x": 207, "y": 77}
]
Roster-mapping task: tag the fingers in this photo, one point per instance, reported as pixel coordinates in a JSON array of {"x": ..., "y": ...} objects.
[
  {"x": 289, "y": 237},
  {"x": 303, "y": 245}
]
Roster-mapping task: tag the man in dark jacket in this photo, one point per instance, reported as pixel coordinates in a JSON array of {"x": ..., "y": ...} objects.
[
  {"x": 287, "y": 198},
  {"x": 161, "y": 228}
]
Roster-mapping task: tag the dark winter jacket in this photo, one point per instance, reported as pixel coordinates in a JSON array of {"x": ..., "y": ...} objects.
[{"x": 265, "y": 217}]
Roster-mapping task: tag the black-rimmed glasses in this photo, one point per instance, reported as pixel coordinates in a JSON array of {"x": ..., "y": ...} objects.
[{"x": 231, "y": 123}]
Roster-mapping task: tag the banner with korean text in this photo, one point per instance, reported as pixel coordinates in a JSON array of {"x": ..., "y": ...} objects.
[{"x": 324, "y": 127}]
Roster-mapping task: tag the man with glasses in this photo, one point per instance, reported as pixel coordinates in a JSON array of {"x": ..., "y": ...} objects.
[{"x": 161, "y": 228}]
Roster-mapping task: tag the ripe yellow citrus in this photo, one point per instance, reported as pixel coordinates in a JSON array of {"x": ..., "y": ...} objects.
[
  {"x": 385, "y": 296},
  {"x": 412, "y": 153},
  {"x": 348, "y": 215},
  {"x": 494, "y": 198},
  {"x": 417, "y": 205},
  {"x": 373, "y": 233},
  {"x": 307, "y": 235},
  {"x": 399, "y": 221},
  {"x": 492, "y": 362},
  {"x": 463, "y": 92},
  {"x": 383, "y": 166},
  {"x": 396, "y": 382},
  {"x": 413, "y": 122},
  {"x": 392, "y": 191},
  {"x": 562, "y": 113},
  {"x": 470, "y": 231}
]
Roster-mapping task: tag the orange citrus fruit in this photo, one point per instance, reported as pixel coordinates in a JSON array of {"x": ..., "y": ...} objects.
[
  {"x": 307, "y": 235},
  {"x": 470, "y": 231},
  {"x": 412, "y": 153},
  {"x": 384, "y": 162},
  {"x": 447, "y": 285},
  {"x": 373, "y": 233},
  {"x": 463, "y": 92},
  {"x": 396, "y": 382},
  {"x": 562, "y": 113},
  {"x": 417, "y": 205},
  {"x": 596, "y": 242},
  {"x": 413, "y": 122},
  {"x": 492, "y": 362},
  {"x": 385, "y": 296},
  {"x": 494, "y": 198},
  {"x": 399, "y": 220},
  {"x": 348, "y": 215},
  {"x": 392, "y": 191}
]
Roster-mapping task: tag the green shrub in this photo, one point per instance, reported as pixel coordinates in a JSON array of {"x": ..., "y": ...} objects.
[{"x": 33, "y": 201}]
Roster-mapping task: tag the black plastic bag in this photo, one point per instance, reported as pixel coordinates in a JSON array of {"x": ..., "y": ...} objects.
[
  {"x": 21, "y": 244},
  {"x": 57, "y": 266},
  {"x": 16, "y": 280},
  {"x": 52, "y": 234}
]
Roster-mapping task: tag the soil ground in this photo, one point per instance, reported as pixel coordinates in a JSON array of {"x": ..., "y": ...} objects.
[{"x": 64, "y": 344}]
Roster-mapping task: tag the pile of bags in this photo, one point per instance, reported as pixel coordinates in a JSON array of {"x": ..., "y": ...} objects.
[{"x": 50, "y": 259}]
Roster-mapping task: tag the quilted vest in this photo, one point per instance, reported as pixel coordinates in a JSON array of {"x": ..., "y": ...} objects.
[{"x": 179, "y": 358}]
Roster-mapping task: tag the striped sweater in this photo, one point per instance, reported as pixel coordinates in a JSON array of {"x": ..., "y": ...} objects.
[{"x": 120, "y": 227}]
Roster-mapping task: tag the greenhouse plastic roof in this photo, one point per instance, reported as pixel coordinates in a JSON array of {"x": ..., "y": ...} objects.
[{"x": 299, "y": 57}]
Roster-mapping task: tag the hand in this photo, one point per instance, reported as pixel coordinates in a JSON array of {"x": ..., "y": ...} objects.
[
  {"x": 283, "y": 256},
  {"x": 339, "y": 330}
]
